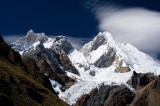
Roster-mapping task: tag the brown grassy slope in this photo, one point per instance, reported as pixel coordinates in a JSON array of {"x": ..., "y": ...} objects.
[{"x": 20, "y": 88}]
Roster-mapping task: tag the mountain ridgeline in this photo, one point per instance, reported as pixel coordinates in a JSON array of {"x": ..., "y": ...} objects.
[{"x": 104, "y": 72}]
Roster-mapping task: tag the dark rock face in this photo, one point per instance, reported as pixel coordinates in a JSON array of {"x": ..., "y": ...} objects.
[
  {"x": 106, "y": 59},
  {"x": 107, "y": 96},
  {"x": 8, "y": 53},
  {"x": 100, "y": 40},
  {"x": 92, "y": 72},
  {"x": 67, "y": 64},
  {"x": 62, "y": 44},
  {"x": 81, "y": 101},
  {"x": 149, "y": 95},
  {"x": 33, "y": 70},
  {"x": 122, "y": 69},
  {"x": 51, "y": 63},
  {"x": 119, "y": 96},
  {"x": 139, "y": 80}
]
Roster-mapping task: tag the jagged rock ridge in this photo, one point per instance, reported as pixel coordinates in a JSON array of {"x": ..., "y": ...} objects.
[{"x": 49, "y": 54}]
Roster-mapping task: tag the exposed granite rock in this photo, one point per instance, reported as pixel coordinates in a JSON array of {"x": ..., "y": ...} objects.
[
  {"x": 106, "y": 60},
  {"x": 120, "y": 96},
  {"x": 67, "y": 64},
  {"x": 139, "y": 80},
  {"x": 81, "y": 101},
  {"x": 92, "y": 72},
  {"x": 149, "y": 95},
  {"x": 120, "y": 67},
  {"x": 107, "y": 96},
  {"x": 50, "y": 64},
  {"x": 99, "y": 40},
  {"x": 62, "y": 44}
]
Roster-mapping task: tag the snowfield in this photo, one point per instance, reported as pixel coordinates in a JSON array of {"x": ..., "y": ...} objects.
[{"x": 85, "y": 82}]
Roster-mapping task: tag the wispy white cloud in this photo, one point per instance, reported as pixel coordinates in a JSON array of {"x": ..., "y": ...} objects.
[
  {"x": 78, "y": 42},
  {"x": 138, "y": 26},
  {"x": 12, "y": 38}
]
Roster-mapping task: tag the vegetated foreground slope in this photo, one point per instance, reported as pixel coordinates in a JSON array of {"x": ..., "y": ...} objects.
[{"x": 21, "y": 83}]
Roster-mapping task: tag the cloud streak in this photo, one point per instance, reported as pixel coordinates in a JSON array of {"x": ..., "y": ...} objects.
[
  {"x": 138, "y": 26},
  {"x": 12, "y": 38},
  {"x": 78, "y": 42}
]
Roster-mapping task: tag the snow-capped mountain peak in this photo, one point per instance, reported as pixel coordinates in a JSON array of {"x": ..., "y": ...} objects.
[
  {"x": 105, "y": 60},
  {"x": 105, "y": 45},
  {"x": 36, "y": 36},
  {"x": 102, "y": 60},
  {"x": 61, "y": 43},
  {"x": 60, "y": 39},
  {"x": 31, "y": 39},
  {"x": 30, "y": 32}
]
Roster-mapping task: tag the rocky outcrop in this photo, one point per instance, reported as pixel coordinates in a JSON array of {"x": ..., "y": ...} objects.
[
  {"x": 82, "y": 100},
  {"x": 149, "y": 95},
  {"x": 61, "y": 43},
  {"x": 107, "y": 96},
  {"x": 139, "y": 80},
  {"x": 67, "y": 64},
  {"x": 50, "y": 63},
  {"x": 146, "y": 93},
  {"x": 121, "y": 96},
  {"x": 106, "y": 60},
  {"x": 120, "y": 67},
  {"x": 98, "y": 41},
  {"x": 8, "y": 53}
]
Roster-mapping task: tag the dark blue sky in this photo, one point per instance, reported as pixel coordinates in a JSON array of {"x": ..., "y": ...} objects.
[{"x": 55, "y": 17}]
